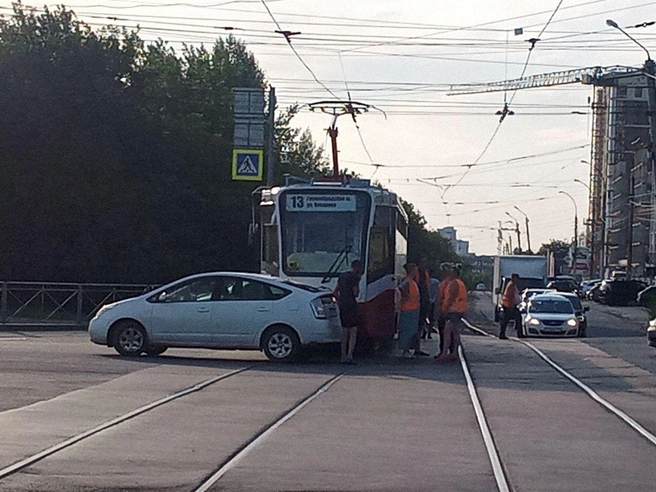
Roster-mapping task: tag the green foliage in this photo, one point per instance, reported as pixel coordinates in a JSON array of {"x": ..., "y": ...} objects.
[
  {"x": 558, "y": 247},
  {"x": 298, "y": 154},
  {"x": 115, "y": 155}
]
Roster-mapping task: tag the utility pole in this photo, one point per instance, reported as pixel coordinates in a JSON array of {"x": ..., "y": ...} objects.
[
  {"x": 629, "y": 245},
  {"x": 271, "y": 136},
  {"x": 517, "y": 231},
  {"x": 528, "y": 232}
]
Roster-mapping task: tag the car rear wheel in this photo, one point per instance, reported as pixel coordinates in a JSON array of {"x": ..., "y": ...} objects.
[
  {"x": 130, "y": 339},
  {"x": 281, "y": 344}
]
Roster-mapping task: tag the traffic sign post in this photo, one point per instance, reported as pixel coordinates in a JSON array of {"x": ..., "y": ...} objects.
[
  {"x": 247, "y": 164},
  {"x": 249, "y": 134}
]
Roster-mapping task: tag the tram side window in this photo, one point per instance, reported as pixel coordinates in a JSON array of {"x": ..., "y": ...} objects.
[{"x": 381, "y": 239}]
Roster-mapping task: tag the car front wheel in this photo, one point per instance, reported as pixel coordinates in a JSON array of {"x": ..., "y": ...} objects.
[
  {"x": 130, "y": 339},
  {"x": 281, "y": 344}
]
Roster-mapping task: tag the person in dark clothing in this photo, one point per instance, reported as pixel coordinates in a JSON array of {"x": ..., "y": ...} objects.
[
  {"x": 423, "y": 282},
  {"x": 346, "y": 292}
]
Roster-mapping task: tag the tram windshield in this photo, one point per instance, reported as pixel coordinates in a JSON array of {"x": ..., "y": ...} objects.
[{"x": 322, "y": 232}]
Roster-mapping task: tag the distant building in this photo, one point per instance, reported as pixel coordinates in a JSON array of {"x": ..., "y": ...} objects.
[
  {"x": 460, "y": 247},
  {"x": 620, "y": 226}
]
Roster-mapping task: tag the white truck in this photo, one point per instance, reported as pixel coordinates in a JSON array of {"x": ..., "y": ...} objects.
[{"x": 532, "y": 271}]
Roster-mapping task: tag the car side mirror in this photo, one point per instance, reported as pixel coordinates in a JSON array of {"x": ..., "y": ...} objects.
[{"x": 586, "y": 309}]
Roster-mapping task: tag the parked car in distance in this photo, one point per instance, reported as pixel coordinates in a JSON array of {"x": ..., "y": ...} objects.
[
  {"x": 651, "y": 333},
  {"x": 587, "y": 286},
  {"x": 620, "y": 292},
  {"x": 647, "y": 296},
  {"x": 224, "y": 310},
  {"x": 564, "y": 285},
  {"x": 593, "y": 293},
  {"x": 481, "y": 287},
  {"x": 579, "y": 311},
  {"x": 550, "y": 315}
]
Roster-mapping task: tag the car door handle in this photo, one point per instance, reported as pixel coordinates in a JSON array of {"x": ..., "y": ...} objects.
[
  {"x": 203, "y": 310},
  {"x": 263, "y": 309}
]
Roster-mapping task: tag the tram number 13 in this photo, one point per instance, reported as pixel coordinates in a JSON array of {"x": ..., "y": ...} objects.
[{"x": 296, "y": 202}]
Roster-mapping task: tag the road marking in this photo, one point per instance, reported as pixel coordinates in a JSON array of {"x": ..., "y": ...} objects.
[
  {"x": 11, "y": 469},
  {"x": 589, "y": 391},
  {"x": 492, "y": 452},
  {"x": 232, "y": 461}
]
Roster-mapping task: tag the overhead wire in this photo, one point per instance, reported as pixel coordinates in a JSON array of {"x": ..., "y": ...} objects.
[
  {"x": 506, "y": 109},
  {"x": 287, "y": 35}
]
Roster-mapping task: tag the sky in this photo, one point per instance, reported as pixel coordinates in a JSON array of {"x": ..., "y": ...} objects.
[{"x": 401, "y": 57}]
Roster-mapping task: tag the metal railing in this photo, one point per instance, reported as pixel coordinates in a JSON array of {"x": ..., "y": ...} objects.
[{"x": 58, "y": 304}]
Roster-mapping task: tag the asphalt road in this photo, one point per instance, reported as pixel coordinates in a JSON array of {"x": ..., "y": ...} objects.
[{"x": 387, "y": 424}]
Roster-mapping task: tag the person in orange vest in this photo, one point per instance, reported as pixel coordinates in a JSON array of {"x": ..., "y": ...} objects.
[
  {"x": 440, "y": 314},
  {"x": 509, "y": 301},
  {"x": 409, "y": 310},
  {"x": 455, "y": 307}
]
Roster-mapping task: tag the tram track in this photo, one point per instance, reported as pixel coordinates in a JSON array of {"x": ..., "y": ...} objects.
[
  {"x": 593, "y": 395},
  {"x": 213, "y": 476},
  {"x": 35, "y": 458}
]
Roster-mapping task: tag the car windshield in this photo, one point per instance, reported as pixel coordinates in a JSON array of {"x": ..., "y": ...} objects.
[
  {"x": 552, "y": 306},
  {"x": 322, "y": 232},
  {"x": 576, "y": 303}
]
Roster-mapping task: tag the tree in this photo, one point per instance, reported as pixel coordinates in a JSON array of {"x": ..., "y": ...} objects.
[
  {"x": 298, "y": 155},
  {"x": 558, "y": 247},
  {"x": 423, "y": 241}
]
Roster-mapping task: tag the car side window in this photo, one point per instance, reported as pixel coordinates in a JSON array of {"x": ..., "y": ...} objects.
[
  {"x": 196, "y": 290},
  {"x": 242, "y": 289}
]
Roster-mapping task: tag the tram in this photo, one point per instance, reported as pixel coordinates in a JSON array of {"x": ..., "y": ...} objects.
[{"x": 311, "y": 231}]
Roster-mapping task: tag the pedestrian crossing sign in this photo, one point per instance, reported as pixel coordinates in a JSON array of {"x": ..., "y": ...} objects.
[{"x": 247, "y": 164}]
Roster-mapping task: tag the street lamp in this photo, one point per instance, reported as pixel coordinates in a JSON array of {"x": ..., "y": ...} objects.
[
  {"x": 576, "y": 219},
  {"x": 519, "y": 242},
  {"x": 528, "y": 233},
  {"x": 612, "y": 23},
  {"x": 576, "y": 180}
]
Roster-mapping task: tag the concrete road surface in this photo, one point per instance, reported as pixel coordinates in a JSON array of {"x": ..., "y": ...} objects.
[{"x": 387, "y": 424}]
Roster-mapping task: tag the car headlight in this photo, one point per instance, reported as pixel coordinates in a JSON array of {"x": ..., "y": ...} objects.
[
  {"x": 104, "y": 309},
  {"x": 572, "y": 322},
  {"x": 533, "y": 321}
]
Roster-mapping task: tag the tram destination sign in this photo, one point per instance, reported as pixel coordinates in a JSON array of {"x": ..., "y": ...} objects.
[{"x": 320, "y": 203}]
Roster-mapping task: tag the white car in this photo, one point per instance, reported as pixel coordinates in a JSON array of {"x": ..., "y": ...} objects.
[
  {"x": 223, "y": 310},
  {"x": 550, "y": 315}
]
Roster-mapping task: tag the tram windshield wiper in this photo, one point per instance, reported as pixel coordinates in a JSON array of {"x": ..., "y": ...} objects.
[{"x": 334, "y": 268}]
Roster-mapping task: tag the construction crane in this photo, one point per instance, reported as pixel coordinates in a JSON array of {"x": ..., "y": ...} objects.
[{"x": 589, "y": 75}]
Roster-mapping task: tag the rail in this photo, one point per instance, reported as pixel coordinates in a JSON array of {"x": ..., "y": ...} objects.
[{"x": 58, "y": 304}]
